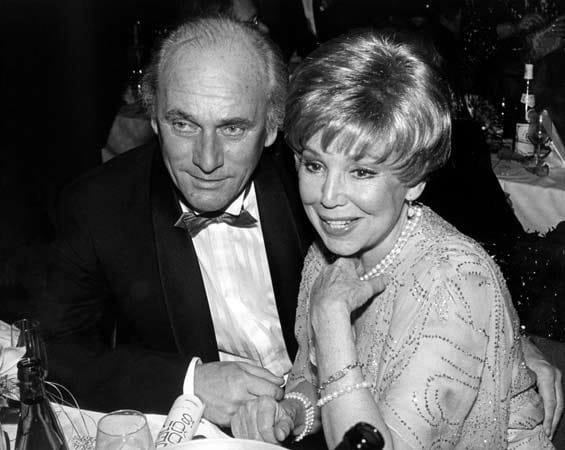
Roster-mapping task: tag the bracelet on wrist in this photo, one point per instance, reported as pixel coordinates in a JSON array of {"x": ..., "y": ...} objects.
[
  {"x": 338, "y": 375},
  {"x": 347, "y": 390},
  {"x": 308, "y": 413}
]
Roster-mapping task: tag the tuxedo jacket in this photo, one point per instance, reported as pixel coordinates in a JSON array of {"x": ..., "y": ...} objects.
[{"x": 126, "y": 307}]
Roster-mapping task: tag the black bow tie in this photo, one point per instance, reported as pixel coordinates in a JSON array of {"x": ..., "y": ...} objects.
[{"x": 195, "y": 223}]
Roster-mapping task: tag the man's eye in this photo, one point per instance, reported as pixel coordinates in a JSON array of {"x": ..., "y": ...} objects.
[
  {"x": 364, "y": 173},
  {"x": 183, "y": 126},
  {"x": 232, "y": 130}
]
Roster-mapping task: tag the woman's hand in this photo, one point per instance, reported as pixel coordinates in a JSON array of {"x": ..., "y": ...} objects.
[
  {"x": 338, "y": 288},
  {"x": 265, "y": 419}
]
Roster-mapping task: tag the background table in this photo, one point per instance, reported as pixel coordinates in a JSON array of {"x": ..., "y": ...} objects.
[{"x": 538, "y": 202}]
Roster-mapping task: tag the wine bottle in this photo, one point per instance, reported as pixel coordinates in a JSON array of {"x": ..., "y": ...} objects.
[
  {"x": 522, "y": 144},
  {"x": 38, "y": 427},
  {"x": 362, "y": 436}
]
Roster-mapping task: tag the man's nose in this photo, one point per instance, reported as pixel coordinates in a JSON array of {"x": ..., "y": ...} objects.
[{"x": 208, "y": 154}]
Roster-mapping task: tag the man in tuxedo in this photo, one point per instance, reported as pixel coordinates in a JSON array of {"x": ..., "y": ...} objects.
[{"x": 177, "y": 264}]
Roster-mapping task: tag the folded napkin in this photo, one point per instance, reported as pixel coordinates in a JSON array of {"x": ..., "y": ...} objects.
[
  {"x": 556, "y": 157},
  {"x": 9, "y": 357}
]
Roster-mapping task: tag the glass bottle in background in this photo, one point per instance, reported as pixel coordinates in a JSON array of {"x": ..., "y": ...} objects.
[
  {"x": 136, "y": 60},
  {"x": 522, "y": 144},
  {"x": 38, "y": 427},
  {"x": 362, "y": 436}
]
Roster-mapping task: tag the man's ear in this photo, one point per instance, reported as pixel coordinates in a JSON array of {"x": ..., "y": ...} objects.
[
  {"x": 415, "y": 191},
  {"x": 270, "y": 137}
]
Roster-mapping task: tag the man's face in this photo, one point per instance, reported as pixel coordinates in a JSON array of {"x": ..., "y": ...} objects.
[{"x": 211, "y": 112}]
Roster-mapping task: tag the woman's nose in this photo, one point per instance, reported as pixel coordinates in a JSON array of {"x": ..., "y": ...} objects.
[{"x": 333, "y": 192}]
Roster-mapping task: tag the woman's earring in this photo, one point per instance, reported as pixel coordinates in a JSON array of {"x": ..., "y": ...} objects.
[{"x": 411, "y": 210}]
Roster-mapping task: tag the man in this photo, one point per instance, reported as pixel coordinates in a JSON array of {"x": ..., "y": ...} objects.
[{"x": 134, "y": 297}]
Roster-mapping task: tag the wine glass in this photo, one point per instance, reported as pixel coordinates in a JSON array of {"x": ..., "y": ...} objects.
[
  {"x": 27, "y": 333},
  {"x": 125, "y": 429},
  {"x": 539, "y": 137}
]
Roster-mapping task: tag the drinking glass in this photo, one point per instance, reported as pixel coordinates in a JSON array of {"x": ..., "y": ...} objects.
[
  {"x": 27, "y": 333},
  {"x": 125, "y": 429},
  {"x": 538, "y": 136}
]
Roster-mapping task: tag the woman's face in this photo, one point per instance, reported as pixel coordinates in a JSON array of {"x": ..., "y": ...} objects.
[{"x": 355, "y": 204}]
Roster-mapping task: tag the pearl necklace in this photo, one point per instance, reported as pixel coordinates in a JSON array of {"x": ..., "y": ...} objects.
[{"x": 384, "y": 264}]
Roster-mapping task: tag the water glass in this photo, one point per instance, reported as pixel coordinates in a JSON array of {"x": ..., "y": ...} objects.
[
  {"x": 125, "y": 429},
  {"x": 27, "y": 333}
]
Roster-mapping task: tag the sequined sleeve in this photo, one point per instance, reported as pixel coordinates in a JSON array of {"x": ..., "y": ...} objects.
[
  {"x": 302, "y": 368},
  {"x": 442, "y": 379}
]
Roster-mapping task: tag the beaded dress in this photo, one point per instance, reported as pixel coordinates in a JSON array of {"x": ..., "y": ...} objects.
[{"x": 441, "y": 346}]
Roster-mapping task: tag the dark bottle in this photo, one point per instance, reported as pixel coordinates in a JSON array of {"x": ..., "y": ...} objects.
[
  {"x": 362, "y": 436},
  {"x": 38, "y": 427}
]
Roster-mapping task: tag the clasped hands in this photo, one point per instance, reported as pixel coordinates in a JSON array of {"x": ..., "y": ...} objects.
[{"x": 247, "y": 398}]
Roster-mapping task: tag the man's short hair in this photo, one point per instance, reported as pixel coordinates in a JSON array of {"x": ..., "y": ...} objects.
[
  {"x": 373, "y": 94},
  {"x": 209, "y": 30}
]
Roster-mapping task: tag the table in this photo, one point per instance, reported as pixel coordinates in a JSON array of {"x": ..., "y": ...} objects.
[
  {"x": 76, "y": 423},
  {"x": 538, "y": 202}
]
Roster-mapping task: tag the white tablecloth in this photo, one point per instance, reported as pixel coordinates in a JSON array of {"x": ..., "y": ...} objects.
[
  {"x": 77, "y": 423},
  {"x": 538, "y": 202}
]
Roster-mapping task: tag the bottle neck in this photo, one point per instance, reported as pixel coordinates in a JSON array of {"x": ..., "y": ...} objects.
[
  {"x": 31, "y": 381},
  {"x": 32, "y": 391}
]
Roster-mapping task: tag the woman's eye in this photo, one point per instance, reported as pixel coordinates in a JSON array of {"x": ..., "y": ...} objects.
[
  {"x": 364, "y": 173},
  {"x": 312, "y": 166},
  {"x": 233, "y": 130}
]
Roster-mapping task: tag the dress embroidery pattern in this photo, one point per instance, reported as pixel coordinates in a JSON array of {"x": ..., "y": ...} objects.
[{"x": 440, "y": 345}]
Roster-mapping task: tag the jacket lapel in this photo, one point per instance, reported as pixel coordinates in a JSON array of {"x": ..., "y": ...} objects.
[
  {"x": 183, "y": 288},
  {"x": 284, "y": 242}
]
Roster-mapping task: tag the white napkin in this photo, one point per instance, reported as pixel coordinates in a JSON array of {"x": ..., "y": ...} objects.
[{"x": 9, "y": 357}]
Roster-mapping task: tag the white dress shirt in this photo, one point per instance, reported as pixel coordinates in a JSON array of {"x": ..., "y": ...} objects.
[{"x": 236, "y": 276}]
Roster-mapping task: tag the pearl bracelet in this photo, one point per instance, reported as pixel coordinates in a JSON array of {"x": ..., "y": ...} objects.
[
  {"x": 347, "y": 390},
  {"x": 308, "y": 413}
]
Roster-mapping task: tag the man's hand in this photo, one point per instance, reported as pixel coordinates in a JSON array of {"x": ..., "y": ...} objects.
[
  {"x": 264, "y": 419},
  {"x": 548, "y": 383},
  {"x": 225, "y": 386}
]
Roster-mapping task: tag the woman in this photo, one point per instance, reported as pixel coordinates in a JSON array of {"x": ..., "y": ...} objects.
[{"x": 402, "y": 321}]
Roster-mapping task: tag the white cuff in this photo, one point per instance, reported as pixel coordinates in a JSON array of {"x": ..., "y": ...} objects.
[{"x": 188, "y": 386}]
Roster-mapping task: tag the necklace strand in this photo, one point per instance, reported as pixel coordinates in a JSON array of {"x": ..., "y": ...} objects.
[{"x": 384, "y": 263}]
